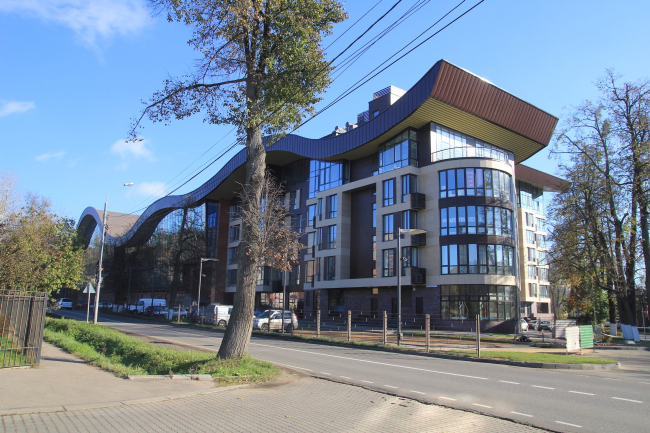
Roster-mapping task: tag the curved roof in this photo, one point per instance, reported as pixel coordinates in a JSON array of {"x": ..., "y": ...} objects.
[{"x": 446, "y": 94}]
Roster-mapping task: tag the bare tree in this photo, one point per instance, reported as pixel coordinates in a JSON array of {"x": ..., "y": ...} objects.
[{"x": 9, "y": 194}]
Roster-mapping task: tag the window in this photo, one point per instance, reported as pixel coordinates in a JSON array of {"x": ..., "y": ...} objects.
[
  {"x": 409, "y": 185},
  {"x": 263, "y": 276},
  {"x": 297, "y": 222},
  {"x": 477, "y": 259},
  {"x": 476, "y": 220},
  {"x": 232, "y": 256},
  {"x": 374, "y": 215},
  {"x": 541, "y": 225},
  {"x": 317, "y": 270},
  {"x": 409, "y": 219},
  {"x": 295, "y": 275},
  {"x": 324, "y": 175},
  {"x": 530, "y": 197},
  {"x": 374, "y": 256},
  {"x": 542, "y": 307},
  {"x": 311, "y": 215},
  {"x": 532, "y": 290},
  {"x": 311, "y": 267},
  {"x": 388, "y": 264},
  {"x": 410, "y": 256},
  {"x": 532, "y": 257},
  {"x": 389, "y": 227},
  {"x": 233, "y": 235},
  {"x": 541, "y": 257},
  {"x": 235, "y": 211},
  {"x": 330, "y": 268},
  {"x": 331, "y": 206},
  {"x": 543, "y": 274},
  {"x": 231, "y": 277},
  {"x": 311, "y": 239},
  {"x": 399, "y": 152},
  {"x": 475, "y": 182},
  {"x": 389, "y": 192},
  {"x": 293, "y": 200},
  {"x": 530, "y": 220},
  {"x": 530, "y": 237},
  {"x": 543, "y": 291},
  {"x": 447, "y": 143},
  {"x": 542, "y": 241},
  {"x": 327, "y": 237},
  {"x": 532, "y": 271},
  {"x": 488, "y": 301},
  {"x": 320, "y": 209}
]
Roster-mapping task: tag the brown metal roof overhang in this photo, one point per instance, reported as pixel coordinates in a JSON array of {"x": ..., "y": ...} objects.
[{"x": 538, "y": 178}]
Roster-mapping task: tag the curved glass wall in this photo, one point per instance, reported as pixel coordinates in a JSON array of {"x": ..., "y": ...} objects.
[
  {"x": 481, "y": 220},
  {"x": 447, "y": 144},
  {"x": 486, "y": 182},
  {"x": 324, "y": 175},
  {"x": 477, "y": 259},
  {"x": 399, "y": 152},
  {"x": 491, "y": 302}
]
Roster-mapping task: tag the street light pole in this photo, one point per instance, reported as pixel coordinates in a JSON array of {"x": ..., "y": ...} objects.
[
  {"x": 198, "y": 301},
  {"x": 101, "y": 251},
  {"x": 399, "y": 277}
]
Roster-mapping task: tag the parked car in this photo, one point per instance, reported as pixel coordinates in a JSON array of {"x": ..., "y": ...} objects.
[
  {"x": 65, "y": 303},
  {"x": 156, "y": 311},
  {"x": 261, "y": 322},
  {"x": 142, "y": 305},
  {"x": 545, "y": 325},
  {"x": 172, "y": 313},
  {"x": 523, "y": 325},
  {"x": 532, "y": 324},
  {"x": 214, "y": 313}
]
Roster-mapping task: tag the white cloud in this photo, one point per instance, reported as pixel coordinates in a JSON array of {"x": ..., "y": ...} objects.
[
  {"x": 91, "y": 20},
  {"x": 50, "y": 155},
  {"x": 11, "y": 107},
  {"x": 156, "y": 189},
  {"x": 135, "y": 149}
]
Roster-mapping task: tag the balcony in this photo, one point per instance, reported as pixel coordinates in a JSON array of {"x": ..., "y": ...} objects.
[
  {"x": 418, "y": 276},
  {"x": 417, "y": 201},
  {"x": 419, "y": 240}
]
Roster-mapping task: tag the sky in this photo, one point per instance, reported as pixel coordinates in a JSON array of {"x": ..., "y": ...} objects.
[{"x": 74, "y": 73}]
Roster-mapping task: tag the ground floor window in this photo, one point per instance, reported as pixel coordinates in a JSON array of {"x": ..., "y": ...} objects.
[{"x": 491, "y": 302}]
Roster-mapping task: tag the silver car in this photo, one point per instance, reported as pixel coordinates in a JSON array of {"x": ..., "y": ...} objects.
[{"x": 261, "y": 322}]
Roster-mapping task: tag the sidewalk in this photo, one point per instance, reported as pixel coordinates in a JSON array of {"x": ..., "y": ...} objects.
[{"x": 66, "y": 395}]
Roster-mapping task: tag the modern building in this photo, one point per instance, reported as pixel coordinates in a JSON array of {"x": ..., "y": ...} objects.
[{"x": 443, "y": 158}]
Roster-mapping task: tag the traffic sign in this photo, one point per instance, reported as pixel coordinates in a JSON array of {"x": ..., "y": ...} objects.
[{"x": 89, "y": 288}]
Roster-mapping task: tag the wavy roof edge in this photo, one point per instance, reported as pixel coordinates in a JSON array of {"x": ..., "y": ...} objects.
[{"x": 465, "y": 93}]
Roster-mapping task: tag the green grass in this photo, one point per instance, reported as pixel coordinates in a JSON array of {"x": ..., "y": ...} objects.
[
  {"x": 123, "y": 355},
  {"x": 9, "y": 357}
]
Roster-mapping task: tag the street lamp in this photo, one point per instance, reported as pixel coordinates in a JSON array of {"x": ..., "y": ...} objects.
[
  {"x": 101, "y": 251},
  {"x": 198, "y": 303},
  {"x": 399, "y": 277}
]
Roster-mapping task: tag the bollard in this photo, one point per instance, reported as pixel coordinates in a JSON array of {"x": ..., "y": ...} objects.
[
  {"x": 318, "y": 323},
  {"x": 179, "y": 313},
  {"x": 478, "y": 335},
  {"x": 349, "y": 325},
  {"x": 427, "y": 336},
  {"x": 385, "y": 325}
]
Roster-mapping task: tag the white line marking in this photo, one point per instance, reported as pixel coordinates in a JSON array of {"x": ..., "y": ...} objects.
[
  {"x": 367, "y": 381},
  {"x": 293, "y": 366},
  {"x": 345, "y": 377},
  {"x": 522, "y": 414},
  {"x": 322, "y": 372},
  {"x": 583, "y": 393},
  {"x": 513, "y": 383},
  {"x": 645, "y": 383},
  {"x": 447, "y": 398},
  {"x": 388, "y": 386},
  {"x": 627, "y": 399},
  {"x": 543, "y": 387},
  {"x": 371, "y": 362},
  {"x": 571, "y": 425},
  {"x": 482, "y": 405},
  {"x": 418, "y": 392}
]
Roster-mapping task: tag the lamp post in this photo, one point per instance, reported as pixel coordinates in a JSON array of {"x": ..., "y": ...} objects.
[
  {"x": 101, "y": 251},
  {"x": 400, "y": 232},
  {"x": 198, "y": 302}
]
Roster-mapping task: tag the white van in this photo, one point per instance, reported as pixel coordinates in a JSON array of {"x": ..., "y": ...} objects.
[
  {"x": 144, "y": 303},
  {"x": 218, "y": 314}
]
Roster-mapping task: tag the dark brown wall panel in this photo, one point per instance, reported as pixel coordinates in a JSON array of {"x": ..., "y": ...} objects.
[{"x": 361, "y": 233}]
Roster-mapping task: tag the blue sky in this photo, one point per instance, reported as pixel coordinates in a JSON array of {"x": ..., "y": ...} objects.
[{"x": 73, "y": 73}]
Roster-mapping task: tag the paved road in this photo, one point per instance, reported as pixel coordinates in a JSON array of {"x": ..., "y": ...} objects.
[{"x": 558, "y": 400}]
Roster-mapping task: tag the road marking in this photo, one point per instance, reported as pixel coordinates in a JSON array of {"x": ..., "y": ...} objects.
[
  {"x": 513, "y": 383},
  {"x": 388, "y": 386},
  {"x": 293, "y": 366},
  {"x": 482, "y": 405},
  {"x": 627, "y": 399},
  {"x": 645, "y": 383},
  {"x": 371, "y": 362},
  {"x": 543, "y": 387},
  {"x": 367, "y": 381},
  {"x": 571, "y": 425},
  {"x": 345, "y": 377},
  {"x": 322, "y": 372},
  {"x": 418, "y": 392},
  {"x": 583, "y": 393},
  {"x": 522, "y": 414},
  {"x": 447, "y": 398}
]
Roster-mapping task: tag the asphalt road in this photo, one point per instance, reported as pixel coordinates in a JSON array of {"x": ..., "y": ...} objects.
[{"x": 598, "y": 401}]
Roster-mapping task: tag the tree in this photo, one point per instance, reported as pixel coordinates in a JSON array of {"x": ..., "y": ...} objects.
[
  {"x": 606, "y": 204},
  {"x": 9, "y": 194},
  {"x": 39, "y": 249},
  {"x": 261, "y": 70}
]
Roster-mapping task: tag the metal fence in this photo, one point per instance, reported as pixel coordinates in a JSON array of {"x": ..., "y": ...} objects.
[{"x": 22, "y": 319}]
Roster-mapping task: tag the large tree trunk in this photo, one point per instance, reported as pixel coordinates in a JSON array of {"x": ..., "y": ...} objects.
[{"x": 237, "y": 337}]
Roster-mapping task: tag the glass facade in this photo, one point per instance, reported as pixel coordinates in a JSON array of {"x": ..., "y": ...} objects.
[
  {"x": 530, "y": 197},
  {"x": 490, "y": 302},
  {"x": 447, "y": 144},
  {"x": 399, "y": 152},
  {"x": 477, "y": 259},
  {"x": 324, "y": 175},
  {"x": 476, "y": 220},
  {"x": 475, "y": 182}
]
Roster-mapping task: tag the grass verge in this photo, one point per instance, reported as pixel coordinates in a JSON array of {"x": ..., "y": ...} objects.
[{"x": 123, "y": 355}]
